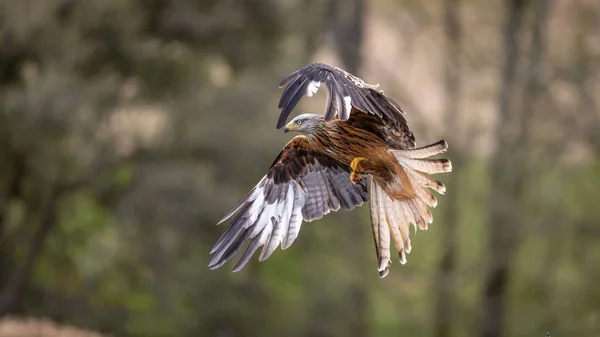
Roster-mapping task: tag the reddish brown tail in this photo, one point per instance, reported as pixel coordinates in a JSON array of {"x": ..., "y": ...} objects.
[{"x": 394, "y": 208}]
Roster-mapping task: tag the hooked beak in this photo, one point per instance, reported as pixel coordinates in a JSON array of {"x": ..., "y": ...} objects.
[{"x": 289, "y": 128}]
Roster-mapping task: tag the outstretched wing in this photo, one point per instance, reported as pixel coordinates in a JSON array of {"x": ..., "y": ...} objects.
[
  {"x": 345, "y": 91},
  {"x": 302, "y": 184}
]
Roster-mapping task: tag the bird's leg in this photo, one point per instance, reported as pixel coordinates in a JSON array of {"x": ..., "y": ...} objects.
[{"x": 357, "y": 170}]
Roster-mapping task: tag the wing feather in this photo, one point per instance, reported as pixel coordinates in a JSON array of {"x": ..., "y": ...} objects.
[
  {"x": 344, "y": 92},
  {"x": 301, "y": 185},
  {"x": 295, "y": 221},
  {"x": 291, "y": 102},
  {"x": 281, "y": 227}
]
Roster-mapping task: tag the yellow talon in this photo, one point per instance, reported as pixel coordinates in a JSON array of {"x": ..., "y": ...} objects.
[
  {"x": 356, "y": 162},
  {"x": 355, "y": 177}
]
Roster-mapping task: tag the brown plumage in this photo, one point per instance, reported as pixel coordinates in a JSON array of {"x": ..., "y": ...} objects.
[{"x": 361, "y": 150}]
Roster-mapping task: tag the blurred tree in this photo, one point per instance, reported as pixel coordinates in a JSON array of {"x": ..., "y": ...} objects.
[
  {"x": 525, "y": 143},
  {"x": 345, "y": 24},
  {"x": 504, "y": 218},
  {"x": 444, "y": 281}
]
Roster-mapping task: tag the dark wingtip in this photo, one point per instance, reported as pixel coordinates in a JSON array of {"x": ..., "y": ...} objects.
[
  {"x": 243, "y": 261},
  {"x": 444, "y": 144},
  {"x": 441, "y": 143},
  {"x": 212, "y": 265},
  {"x": 286, "y": 80},
  {"x": 283, "y": 118},
  {"x": 281, "y": 121},
  {"x": 289, "y": 78}
]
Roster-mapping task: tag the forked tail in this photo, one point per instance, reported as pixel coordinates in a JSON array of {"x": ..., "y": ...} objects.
[{"x": 394, "y": 208}]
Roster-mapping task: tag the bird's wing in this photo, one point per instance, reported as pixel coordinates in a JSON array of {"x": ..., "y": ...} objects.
[
  {"x": 345, "y": 91},
  {"x": 302, "y": 184}
]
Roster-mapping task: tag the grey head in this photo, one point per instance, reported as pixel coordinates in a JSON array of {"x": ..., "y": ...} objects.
[{"x": 305, "y": 123}]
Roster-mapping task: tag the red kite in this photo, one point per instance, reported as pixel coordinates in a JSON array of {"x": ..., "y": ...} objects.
[{"x": 360, "y": 150}]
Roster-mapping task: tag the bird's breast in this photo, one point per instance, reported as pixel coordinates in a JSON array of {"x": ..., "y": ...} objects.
[{"x": 347, "y": 143}]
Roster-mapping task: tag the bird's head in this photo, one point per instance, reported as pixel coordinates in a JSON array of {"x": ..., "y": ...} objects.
[{"x": 305, "y": 123}]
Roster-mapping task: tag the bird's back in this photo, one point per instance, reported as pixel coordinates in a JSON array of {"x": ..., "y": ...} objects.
[{"x": 393, "y": 133}]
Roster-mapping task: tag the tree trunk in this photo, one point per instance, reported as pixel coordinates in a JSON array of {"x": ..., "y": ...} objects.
[
  {"x": 346, "y": 26},
  {"x": 12, "y": 172},
  {"x": 445, "y": 278},
  {"x": 533, "y": 88},
  {"x": 12, "y": 291},
  {"x": 503, "y": 216}
]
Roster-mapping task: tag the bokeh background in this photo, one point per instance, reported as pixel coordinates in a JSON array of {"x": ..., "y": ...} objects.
[{"x": 129, "y": 127}]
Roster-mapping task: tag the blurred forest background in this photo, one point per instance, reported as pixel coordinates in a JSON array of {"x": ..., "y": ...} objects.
[{"x": 129, "y": 127}]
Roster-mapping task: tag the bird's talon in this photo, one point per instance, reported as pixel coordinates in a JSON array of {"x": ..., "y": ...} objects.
[
  {"x": 356, "y": 163},
  {"x": 356, "y": 176}
]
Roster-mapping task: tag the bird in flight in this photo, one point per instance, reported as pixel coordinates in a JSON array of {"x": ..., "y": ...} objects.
[{"x": 360, "y": 150}]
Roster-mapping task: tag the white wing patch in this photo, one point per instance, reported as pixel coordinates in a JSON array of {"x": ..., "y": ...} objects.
[
  {"x": 295, "y": 219},
  {"x": 347, "y": 104},
  {"x": 312, "y": 88}
]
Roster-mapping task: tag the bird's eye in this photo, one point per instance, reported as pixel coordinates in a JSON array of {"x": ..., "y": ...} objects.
[{"x": 299, "y": 122}]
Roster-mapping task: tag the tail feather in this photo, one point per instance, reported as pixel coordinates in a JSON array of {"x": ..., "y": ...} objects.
[
  {"x": 426, "y": 181},
  {"x": 384, "y": 232},
  {"x": 424, "y": 194},
  {"x": 430, "y": 166},
  {"x": 424, "y": 151},
  {"x": 376, "y": 220},
  {"x": 396, "y": 223},
  {"x": 424, "y": 212},
  {"x": 388, "y": 224},
  {"x": 420, "y": 219},
  {"x": 416, "y": 159},
  {"x": 406, "y": 201},
  {"x": 404, "y": 227}
]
